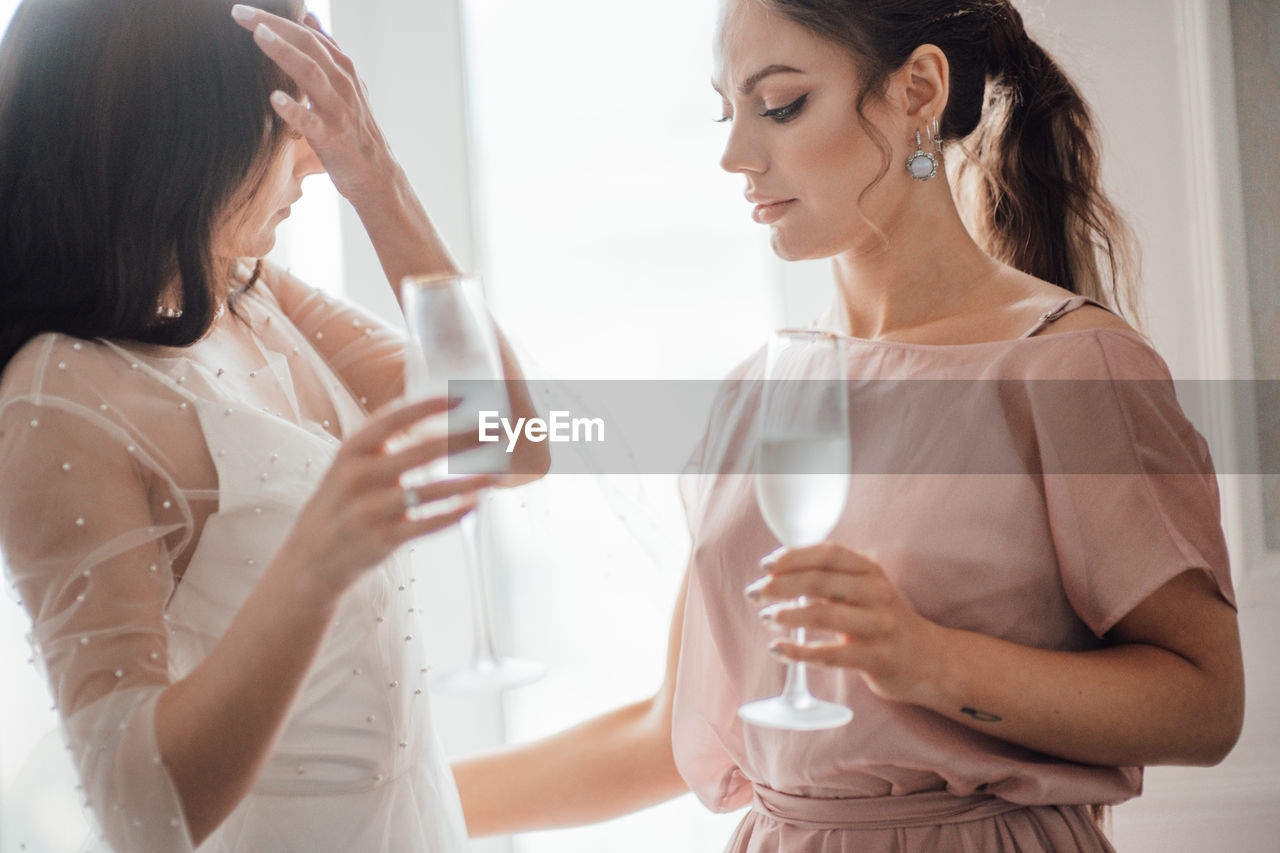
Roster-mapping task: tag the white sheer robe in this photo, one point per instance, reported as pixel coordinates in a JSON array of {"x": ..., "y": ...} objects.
[{"x": 144, "y": 489}]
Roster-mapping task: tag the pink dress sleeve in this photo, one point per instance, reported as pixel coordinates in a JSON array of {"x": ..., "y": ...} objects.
[
  {"x": 718, "y": 449},
  {"x": 88, "y": 523},
  {"x": 1129, "y": 484},
  {"x": 367, "y": 354}
]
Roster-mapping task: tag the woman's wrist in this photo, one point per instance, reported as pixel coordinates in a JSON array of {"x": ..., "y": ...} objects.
[
  {"x": 306, "y": 579},
  {"x": 937, "y": 672},
  {"x": 403, "y": 235},
  {"x": 382, "y": 190}
]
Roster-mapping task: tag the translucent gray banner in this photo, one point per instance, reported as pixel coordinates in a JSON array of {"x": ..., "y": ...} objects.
[{"x": 1016, "y": 427}]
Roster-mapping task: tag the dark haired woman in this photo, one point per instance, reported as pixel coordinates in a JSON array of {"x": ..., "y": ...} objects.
[
  {"x": 1016, "y": 641},
  {"x": 197, "y": 508}
]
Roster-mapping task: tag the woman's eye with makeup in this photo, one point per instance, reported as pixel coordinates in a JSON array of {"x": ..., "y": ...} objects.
[{"x": 787, "y": 112}]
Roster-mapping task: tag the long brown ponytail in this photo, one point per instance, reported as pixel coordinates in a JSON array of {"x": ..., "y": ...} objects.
[
  {"x": 1028, "y": 183},
  {"x": 1031, "y": 173}
]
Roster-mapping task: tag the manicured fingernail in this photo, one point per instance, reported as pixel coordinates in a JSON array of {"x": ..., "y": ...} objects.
[
  {"x": 280, "y": 99},
  {"x": 264, "y": 32},
  {"x": 769, "y": 615},
  {"x": 770, "y": 561},
  {"x": 241, "y": 12},
  {"x": 775, "y": 650},
  {"x": 754, "y": 589}
]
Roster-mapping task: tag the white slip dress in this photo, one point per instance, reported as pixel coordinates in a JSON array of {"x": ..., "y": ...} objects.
[{"x": 357, "y": 766}]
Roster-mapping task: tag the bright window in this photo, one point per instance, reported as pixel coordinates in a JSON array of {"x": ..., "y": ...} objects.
[
  {"x": 309, "y": 242},
  {"x": 613, "y": 247}
]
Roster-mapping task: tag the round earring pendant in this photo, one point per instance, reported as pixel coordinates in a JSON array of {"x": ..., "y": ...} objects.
[{"x": 922, "y": 166}]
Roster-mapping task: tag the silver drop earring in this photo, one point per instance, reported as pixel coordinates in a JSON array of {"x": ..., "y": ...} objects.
[{"x": 922, "y": 165}]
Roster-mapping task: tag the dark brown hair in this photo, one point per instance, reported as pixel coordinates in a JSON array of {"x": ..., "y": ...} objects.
[
  {"x": 1028, "y": 185},
  {"x": 128, "y": 129}
]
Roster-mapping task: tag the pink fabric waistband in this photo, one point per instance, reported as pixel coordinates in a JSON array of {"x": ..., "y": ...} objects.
[{"x": 925, "y": 809}]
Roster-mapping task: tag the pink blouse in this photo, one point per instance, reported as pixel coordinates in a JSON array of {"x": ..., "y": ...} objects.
[{"x": 1022, "y": 507}]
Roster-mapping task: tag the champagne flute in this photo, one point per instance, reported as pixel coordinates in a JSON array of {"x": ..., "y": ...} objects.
[
  {"x": 802, "y": 479},
  {"x": 453, "y": 339}
]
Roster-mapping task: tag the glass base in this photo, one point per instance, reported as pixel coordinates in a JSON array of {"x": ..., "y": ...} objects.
[
  {"x": 808, "y": 715},
  {"x": 489, "y": 676}
]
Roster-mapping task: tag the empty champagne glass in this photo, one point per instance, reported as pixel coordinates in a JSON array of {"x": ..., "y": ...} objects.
[
  {"x": 802, "y": 479},
  {"x": 453, "y": 339}
]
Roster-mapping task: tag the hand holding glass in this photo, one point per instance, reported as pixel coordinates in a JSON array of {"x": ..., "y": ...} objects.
[{"x": 802, "y": 479}]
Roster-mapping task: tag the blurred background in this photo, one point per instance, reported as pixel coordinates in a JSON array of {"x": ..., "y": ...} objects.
[{"x": 568, "y": 152}]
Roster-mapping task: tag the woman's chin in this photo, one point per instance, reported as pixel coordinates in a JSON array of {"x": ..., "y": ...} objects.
[
  {"x": 258, "y": 247},
  {"x": 787, "y": 248}
]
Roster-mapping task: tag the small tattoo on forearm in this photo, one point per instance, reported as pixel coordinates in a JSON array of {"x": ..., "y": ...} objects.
[{"x": 980, "y": 716}]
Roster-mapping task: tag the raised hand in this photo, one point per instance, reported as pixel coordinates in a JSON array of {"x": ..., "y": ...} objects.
[
  {"x": 334, "y": 114},
  {"x": 335, "y": 118}
]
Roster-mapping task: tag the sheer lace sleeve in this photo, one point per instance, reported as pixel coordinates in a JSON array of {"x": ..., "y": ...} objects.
[
  {"x": 88, "y": 522},
  {"x": 366, "y": 353}
]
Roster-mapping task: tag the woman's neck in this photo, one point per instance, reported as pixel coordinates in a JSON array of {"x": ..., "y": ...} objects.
[{"x": 930, "y": 270}]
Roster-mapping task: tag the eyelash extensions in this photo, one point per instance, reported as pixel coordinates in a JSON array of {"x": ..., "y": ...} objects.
[
  {"x": 787, "y": 112},
  {"x": 781, "y": 114}
]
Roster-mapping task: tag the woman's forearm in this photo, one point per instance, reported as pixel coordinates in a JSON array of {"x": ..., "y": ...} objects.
[
  {"x": 530, "y": 460},
  {"x": 403, "y": 236},
  {"x": 407, "y": 243},
  {"x": 606, "y": 767},
  {"x": 1130, "y": 704},
  {"x": 215, "y": 727},
  {"x": 1168, "y": 686}
]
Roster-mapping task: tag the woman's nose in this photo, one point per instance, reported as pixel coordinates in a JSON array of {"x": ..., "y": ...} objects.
[
  {"x": 742, "y": 152},
  {"x": 308, "y": 161}
]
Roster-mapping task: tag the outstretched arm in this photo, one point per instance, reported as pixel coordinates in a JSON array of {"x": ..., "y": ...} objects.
[{"x": 608, "y": 766}]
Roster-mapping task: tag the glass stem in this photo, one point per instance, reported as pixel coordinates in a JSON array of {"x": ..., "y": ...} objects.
[
  {"x": 485, "y": 653},
  {"x": 796, "y": 689}
]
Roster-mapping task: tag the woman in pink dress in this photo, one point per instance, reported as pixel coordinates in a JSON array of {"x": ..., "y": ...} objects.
[{"x": 1027, "y": 598}]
